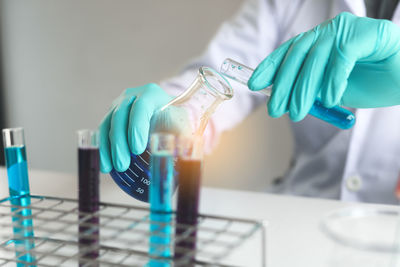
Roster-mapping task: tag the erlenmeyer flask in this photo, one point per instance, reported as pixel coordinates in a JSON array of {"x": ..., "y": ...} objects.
[{"x": 186, "y": 115}]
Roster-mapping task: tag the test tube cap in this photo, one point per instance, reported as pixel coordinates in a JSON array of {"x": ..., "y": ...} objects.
[
  {"x": 88, "y": 138},
  {"x": 13, "y": 137}
]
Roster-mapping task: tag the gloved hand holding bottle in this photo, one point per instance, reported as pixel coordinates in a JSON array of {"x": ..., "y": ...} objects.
[
  {"x": 126, "y": 125},
  {"x": 348, "y": 60}
]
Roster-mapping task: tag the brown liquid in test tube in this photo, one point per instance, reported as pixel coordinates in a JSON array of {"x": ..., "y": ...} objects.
[
  {"x": 397, "y": 192},
  {"x": 88, "y": 193},
  {"x": 189, "y": 175}
]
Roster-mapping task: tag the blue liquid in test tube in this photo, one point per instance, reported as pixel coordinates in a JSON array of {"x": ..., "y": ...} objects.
[
  {"x": 337, "y": 116},
  {"x": 161, "y": 191},
  {"x": 17, "y": 171}
]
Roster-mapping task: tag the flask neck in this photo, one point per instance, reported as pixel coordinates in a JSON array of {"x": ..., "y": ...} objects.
[{"x": 202, "y": 98}]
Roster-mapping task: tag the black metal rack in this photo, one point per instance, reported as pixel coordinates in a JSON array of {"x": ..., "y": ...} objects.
[{"x": 123, "y": 239}]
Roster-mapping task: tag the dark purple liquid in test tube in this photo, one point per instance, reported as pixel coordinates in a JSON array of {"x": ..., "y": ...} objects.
[
  {"x": 189, "y": 176},
  {"x": 88, "y": 191}
]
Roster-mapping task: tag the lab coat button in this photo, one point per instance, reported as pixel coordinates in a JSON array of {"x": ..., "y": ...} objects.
[{"x": 354, "y": 183}]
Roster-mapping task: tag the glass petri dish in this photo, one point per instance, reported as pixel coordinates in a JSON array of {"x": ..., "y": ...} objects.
[{"x": 366, "y": 228}]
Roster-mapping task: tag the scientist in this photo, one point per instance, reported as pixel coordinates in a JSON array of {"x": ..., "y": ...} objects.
[{"x": 314, "y": 48}]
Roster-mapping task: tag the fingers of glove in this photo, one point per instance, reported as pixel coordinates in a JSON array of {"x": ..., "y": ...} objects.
[
  {"x": 287, "y": 75},
  {"x": 139, "y": 125},
  {"x": 264, "y": 74},
  {"x": 335, "y": 80},
  {"x": 309, "y": 81},
  {"x": 390, "y": 35},
  {"x": 118, "y": 135},
  {"x": 153, "y": 98},
  {"x": 105, "y": 153},
  {"x": 367, "y": 39}
]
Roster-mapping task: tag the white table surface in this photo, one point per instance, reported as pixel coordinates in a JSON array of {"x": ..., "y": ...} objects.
[{"x": 294, "y": 235}]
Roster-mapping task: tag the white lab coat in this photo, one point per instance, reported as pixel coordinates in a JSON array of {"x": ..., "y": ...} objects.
[{"x": 361, "y": 164}]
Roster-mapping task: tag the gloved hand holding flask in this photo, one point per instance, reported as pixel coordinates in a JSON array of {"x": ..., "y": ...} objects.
[
  {"x": 125, "y": 128},
  {"x": 137, "y": 112}
]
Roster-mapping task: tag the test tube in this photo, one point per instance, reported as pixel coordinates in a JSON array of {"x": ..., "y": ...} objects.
[
  {"x": 397, "y": 190},
  {"x": 189, "y": 169},
  {"x": 337, "y": 116},
  {"x": 88, "y": 191},
  {"x": 162, "y": 147},
  {"x": 18, "y": 183},
  {"x": 395, "y": 260}
]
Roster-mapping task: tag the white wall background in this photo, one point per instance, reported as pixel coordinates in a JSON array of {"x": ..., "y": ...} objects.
[{"x": 66, "y": 60}]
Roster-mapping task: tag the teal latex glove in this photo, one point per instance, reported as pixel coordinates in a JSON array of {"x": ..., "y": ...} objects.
[
  {"x": 125, "y": 127},
  {"x": 348, "y": 60}
]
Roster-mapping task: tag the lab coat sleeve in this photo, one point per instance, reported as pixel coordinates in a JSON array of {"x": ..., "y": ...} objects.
[{"x": 248, "y": 37}]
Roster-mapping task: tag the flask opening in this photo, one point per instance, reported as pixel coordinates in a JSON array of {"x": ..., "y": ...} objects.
[{"x": 217, "y": 84}]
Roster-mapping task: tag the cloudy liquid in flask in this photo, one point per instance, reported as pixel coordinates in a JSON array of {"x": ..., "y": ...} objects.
[{"x": 135, "y": 181}]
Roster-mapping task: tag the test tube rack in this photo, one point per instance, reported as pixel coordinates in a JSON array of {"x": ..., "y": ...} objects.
[{"x": 124, "y": 236}]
